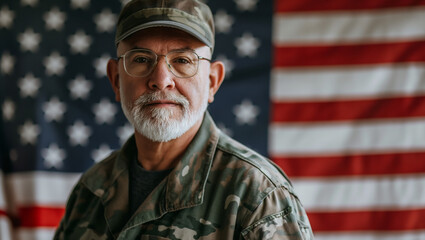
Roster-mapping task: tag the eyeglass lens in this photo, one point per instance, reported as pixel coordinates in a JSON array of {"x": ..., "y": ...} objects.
[{"x": 140, "y": 63}]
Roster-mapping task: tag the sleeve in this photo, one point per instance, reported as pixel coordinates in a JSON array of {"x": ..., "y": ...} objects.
[{"x": 279, "y": 216}]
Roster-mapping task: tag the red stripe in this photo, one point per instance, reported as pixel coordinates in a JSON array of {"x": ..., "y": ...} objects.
[
  {"x": 350, "y": 54},
  {"x": 353, "y": 165},
  {"x": 2, "y": 213},
  {"x": 412, "y": 219},
  {"x": 283, "y": 6},
  {"x": 348, "y": 110},
  {"x": 40, "y": 216}
]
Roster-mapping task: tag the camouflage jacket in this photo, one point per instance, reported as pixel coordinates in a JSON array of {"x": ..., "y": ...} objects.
[{"x": 219, "y": 190}]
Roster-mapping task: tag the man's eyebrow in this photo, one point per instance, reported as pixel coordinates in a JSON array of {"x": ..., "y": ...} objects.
[
  {"x": 182, "y": 49},
  {"x": 139, "y": 48},
  {"x": 174, "y": 49}
]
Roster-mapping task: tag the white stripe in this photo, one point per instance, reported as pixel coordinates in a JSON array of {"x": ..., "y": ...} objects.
[
  {"x": 338, "y": 194},
  {"x": 347, "y": 82},
  {"x": 407, "y": 235},
  {"x": 346, "y": 137},
  {"x": 41, "y": 188},
  {"x": 349, "y": 26},
  {"x": 35, "y": 233},
  {"x": 5, "y": 228}
]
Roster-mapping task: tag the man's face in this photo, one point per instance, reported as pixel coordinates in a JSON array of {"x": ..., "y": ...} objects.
[{"x": 160, "y": 105}]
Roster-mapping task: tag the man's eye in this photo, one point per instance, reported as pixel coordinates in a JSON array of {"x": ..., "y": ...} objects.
[
  {"x": 141, "y": 60},
  {"x": 182, "y": 60}
]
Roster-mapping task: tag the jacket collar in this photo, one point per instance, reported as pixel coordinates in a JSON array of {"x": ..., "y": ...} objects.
[
  {"x": 185, "y": 185},
  {"x": 183, "y": 188}
]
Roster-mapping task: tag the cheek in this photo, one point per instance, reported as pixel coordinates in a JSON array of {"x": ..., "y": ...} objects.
[
  {"x": 130, "y": 89},
  {"x": 205, "y": 88},
  {"x": 203, "y": 93}
]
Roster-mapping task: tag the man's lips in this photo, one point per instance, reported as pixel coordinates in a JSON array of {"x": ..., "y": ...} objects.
[{"x": 162, "y": 103}]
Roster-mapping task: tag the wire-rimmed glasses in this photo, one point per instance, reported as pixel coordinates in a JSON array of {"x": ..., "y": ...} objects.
[{"x": 181, "y": 63}]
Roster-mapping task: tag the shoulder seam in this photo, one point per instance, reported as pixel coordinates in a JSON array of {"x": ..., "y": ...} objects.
[{"x": 219, "y": 146}]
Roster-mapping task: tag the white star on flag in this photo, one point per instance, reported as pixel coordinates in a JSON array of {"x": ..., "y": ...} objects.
[
  {"x": 223, "y": 22},
  {"x": 29, "y": 85},
  {"x": 54, "y": 19},
  {"x": 105, "y": 21},
  {"x": 53, "y": 156},
  {"x": 29, "y": 40},
  {"x": 79, "y": 133},
  {"x": 125, "y": 132},
  {"x": 54, "y": 109},
  {"x": 79, "y": 42},
  {"x": 80, "y": 87},
  {"x": 246, "y": 5},
  {"x": 83, "y": 4},
  {"x": 246, "y": 113},
  {"x": 31, "y": 3},
  {"x": 7, "y": 62},
  {"x": 104, "y": 111},
  {"x": 8, "y": 109},
  {"x": 29, "y": 132},
  {"x": 247, "y": 45},
  {"x": 55, "y": 64},
  {"x": 100, "y": 65},
  {"x": 6, "y": 17},
  {"x": 99, "y": 154}
]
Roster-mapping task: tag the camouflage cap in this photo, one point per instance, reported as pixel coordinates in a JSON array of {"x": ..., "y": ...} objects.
[{"x": 190, "y": 16}]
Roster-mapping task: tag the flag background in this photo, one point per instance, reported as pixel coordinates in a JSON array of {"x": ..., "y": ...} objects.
[{"x": 332, "y": 91}]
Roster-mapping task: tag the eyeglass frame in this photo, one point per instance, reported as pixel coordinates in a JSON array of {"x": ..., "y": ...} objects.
[{"x": 165, "y": 58}]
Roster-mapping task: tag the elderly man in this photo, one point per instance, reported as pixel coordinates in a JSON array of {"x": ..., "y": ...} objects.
[{"x": 178, "y": 176}]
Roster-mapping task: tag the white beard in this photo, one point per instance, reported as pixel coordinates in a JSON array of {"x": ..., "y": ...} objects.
[{"x": 161, "y": 124}]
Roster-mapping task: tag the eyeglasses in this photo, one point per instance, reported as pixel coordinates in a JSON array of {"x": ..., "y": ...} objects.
[{"x": 181, "y": 63}]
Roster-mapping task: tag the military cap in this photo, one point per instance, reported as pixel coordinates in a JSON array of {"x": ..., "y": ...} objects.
[{"x": 191, "y": 16}]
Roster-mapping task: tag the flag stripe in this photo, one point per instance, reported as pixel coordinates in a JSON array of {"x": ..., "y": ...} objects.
[
  {"x": 359, "y": 193},
  {"x": 353, "y": 165},
  {"x": 347, "y": 89},
  {"x": 388, "y": 25},
  {"x": 381, "y": 235},
  {"x": 339, "y": 55},
  {"x": 346, "y": 137},
  {"x": 308, "y": 5},
  {"x": 5, "y": 227},
  {"x": 348, "y": 110},
  {"x": 2, "y": 213},
  {"x": 317, "y": 84},
  {"x": 35, "y": 233},
  {"x": 45, "y": 188},
  {"x": 368, "y": 220},
  {"x": 40, "y": 216}
]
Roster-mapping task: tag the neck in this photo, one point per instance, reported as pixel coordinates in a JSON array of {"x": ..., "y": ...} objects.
[{"x": 163, "y": 155}]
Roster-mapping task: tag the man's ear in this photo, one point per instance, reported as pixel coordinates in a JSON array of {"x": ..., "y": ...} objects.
[
  {"x": 217, "y": 73},
  {"x": 112, "y": 72}
]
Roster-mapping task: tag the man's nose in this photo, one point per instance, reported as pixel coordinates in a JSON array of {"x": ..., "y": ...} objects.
[{"x": 161, "y": 78}]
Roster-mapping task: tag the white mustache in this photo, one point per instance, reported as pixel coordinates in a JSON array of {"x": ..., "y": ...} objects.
[{"x": 149, "y": 98}]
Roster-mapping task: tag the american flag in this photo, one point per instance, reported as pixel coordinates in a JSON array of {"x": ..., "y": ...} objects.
[{"x": 333, "y": 91}]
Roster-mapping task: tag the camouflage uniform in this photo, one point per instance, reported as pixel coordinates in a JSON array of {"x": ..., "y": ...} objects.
[{"x": 219, "y": 190}]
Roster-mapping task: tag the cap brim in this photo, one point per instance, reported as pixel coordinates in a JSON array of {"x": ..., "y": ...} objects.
[{"x": 164, "y": 23}]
